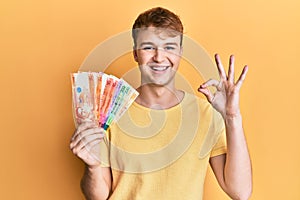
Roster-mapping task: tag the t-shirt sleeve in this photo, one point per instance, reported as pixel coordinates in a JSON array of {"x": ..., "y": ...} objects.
[
  {"x": 220, "y": 147},
  {"x": 215, "y": 140}
]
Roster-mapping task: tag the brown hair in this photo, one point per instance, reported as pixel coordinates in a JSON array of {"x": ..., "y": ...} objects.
[{"x": 160, "y": 18}]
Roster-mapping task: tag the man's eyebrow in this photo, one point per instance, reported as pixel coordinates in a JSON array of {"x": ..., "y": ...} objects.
[
  {"x": 151, "y": 43},
  {"x": 146, "y": 43},
  {"x": 171, "y": 43}
]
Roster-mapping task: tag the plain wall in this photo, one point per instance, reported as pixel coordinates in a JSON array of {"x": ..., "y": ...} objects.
[{"x": 42, "y": 42}]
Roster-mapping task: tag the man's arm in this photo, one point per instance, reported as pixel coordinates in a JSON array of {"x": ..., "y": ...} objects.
[
  {"x": 96, "y": 181},
  {"x": 233, "y": 170}
]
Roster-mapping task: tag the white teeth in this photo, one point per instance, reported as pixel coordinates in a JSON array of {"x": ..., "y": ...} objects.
[{"x": 159, "y": 68}]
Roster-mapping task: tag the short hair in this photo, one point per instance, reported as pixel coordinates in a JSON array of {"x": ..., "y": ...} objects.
[{"x": 159, "y": 18}]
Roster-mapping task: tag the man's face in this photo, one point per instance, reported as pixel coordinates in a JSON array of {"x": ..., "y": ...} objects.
[{"x": 158, "y": 56}]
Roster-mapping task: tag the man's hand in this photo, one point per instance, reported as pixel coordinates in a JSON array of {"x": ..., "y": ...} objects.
[
  {"x": 233, "y": 170},
  {"x": 85, "y": 143},
  {"x": 226, "y": 99}
]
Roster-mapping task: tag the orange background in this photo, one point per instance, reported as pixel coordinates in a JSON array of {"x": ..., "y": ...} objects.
[{"x": 42, "y": 42}]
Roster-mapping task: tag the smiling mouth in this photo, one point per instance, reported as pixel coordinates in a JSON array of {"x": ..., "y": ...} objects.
[{"x": 159, "y": 69}]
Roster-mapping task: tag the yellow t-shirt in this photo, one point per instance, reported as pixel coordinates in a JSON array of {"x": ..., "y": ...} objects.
[{"x": 163, "y": 154}]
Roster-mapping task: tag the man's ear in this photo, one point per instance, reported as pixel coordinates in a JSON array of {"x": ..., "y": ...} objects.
[
  {"x": 135, "y": 54},
  {"x": 181, "y": 51}
]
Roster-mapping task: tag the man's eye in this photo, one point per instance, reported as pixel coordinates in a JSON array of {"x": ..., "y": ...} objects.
[
  {"x": 148, "y": 48},
  {"x": 169, "y": 48}
]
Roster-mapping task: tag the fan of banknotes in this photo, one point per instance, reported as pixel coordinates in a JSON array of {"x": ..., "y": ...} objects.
[{"x": 99, "y": 97}]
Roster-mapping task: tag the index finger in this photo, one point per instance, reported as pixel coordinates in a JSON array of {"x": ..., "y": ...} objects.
[
  {"x": 221, "y": 70},
  {"x": 82, "y": 127}
]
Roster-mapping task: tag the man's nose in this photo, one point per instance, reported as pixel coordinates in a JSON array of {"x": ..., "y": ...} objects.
[{"x": 159, "y": 55}]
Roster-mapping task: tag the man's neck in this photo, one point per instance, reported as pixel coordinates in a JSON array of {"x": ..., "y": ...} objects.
[{"x": 159, "y": 97}]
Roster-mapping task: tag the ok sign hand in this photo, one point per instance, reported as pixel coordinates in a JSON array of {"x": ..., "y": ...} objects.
[{"x": 226, "y": 98}]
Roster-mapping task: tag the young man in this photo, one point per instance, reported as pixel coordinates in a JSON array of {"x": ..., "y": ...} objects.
[{"x": 162, "y": 146}]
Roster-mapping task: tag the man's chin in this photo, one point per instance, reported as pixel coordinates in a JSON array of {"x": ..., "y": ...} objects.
[{"x": 157, "y": 84}]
